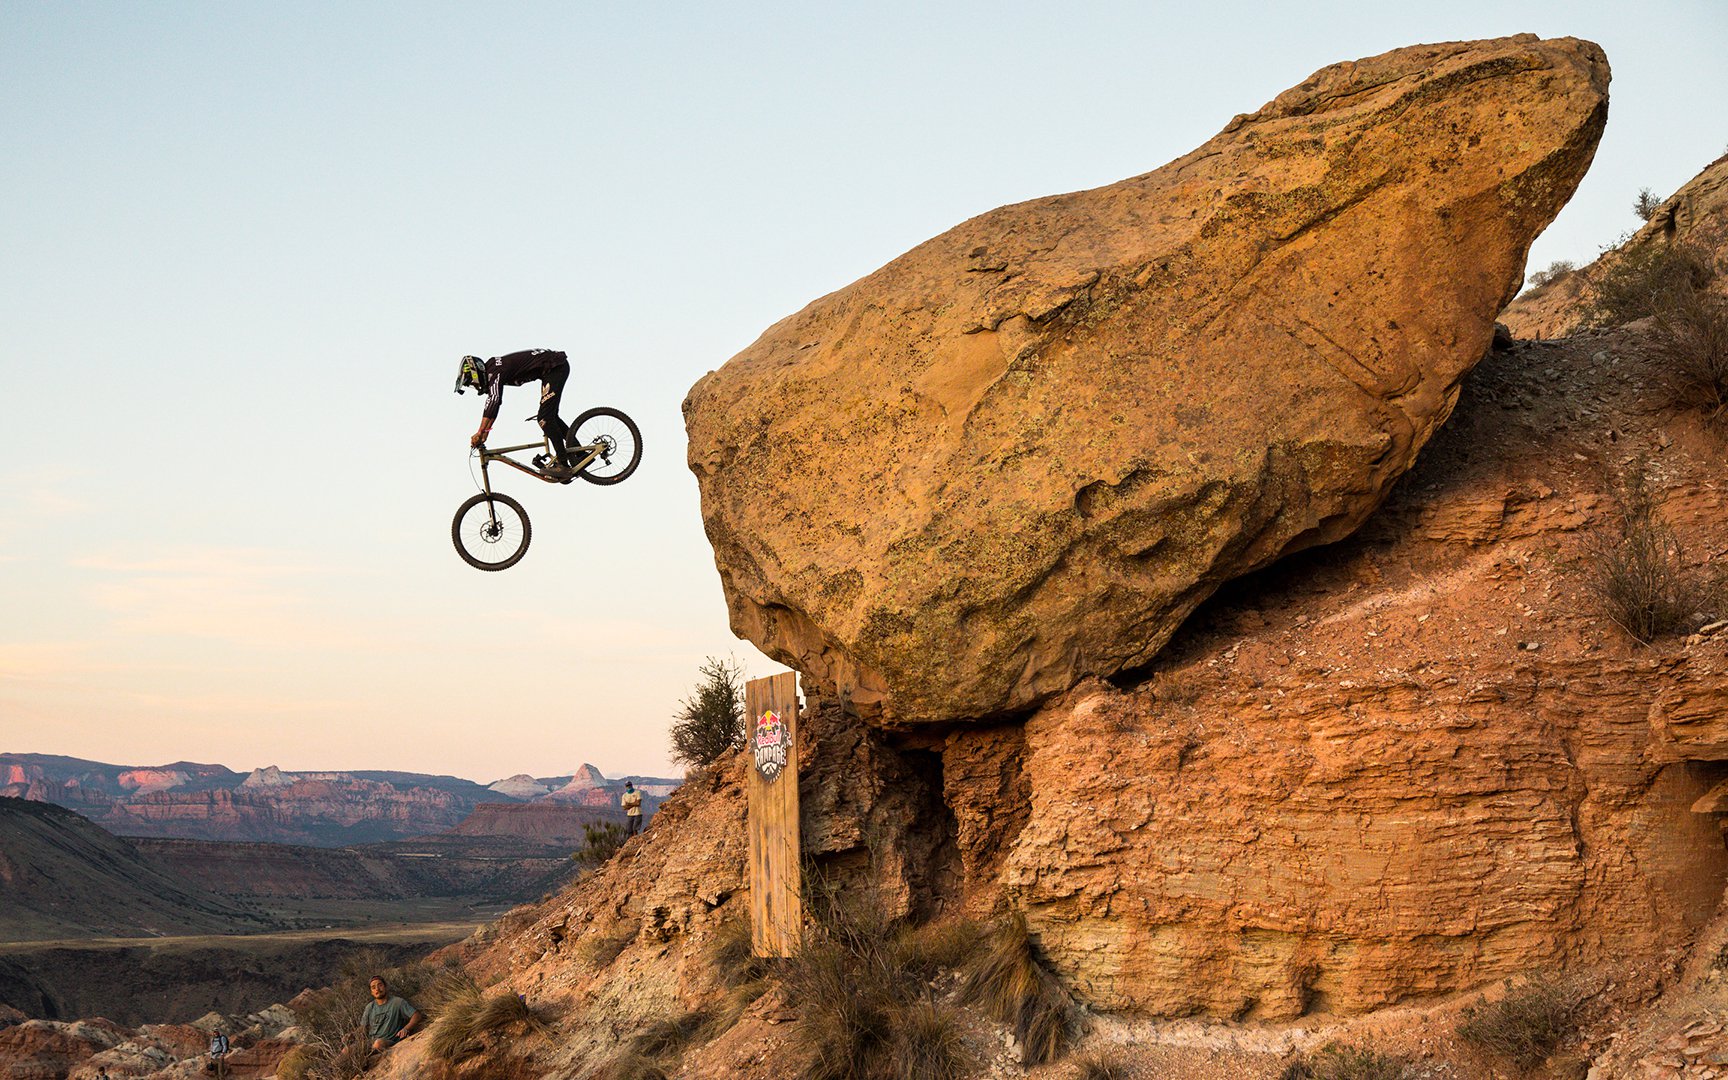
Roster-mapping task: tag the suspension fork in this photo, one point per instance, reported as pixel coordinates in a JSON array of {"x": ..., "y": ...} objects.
[{"x": 486, "y": 486}]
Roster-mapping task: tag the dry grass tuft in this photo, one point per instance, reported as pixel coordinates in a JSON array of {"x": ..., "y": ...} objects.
[
  {"x": 862, "y": 982},
  {"x": 467, "y": 1017},
  {"x": 1689, "y": 340},
  {"x": 1098, "y": 1065},
  {"x": 1008, "y": 981},
  {"x": 1638, "y": 572},
  {"x": 1336, "y": 1061},
  {"x": 1526, "y": 1025}
]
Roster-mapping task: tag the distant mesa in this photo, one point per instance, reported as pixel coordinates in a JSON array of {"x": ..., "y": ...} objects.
[{"x": 193, "y": 801}]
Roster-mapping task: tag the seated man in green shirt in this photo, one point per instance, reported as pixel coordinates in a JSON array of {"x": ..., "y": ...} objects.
[{"x": 387, "y": 1020}]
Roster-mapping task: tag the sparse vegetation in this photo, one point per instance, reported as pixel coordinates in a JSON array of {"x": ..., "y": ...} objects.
[
  {"x": 467, "y": 1017},
  {"x": 1557, "y": 269},
  {"x": 330, "y": 1020},
  {"x": 1010, "y": 983},
  {"x": 1646, "y": 204},
  {"x": 1638, "y": 572},
  {"x": 1689, "y": 340},
  {"x": 600, "y": 841},
  {"x": 866, "y": 1007},
  {"x": 1526, "y": 1025},
  {"x": 710, "y": 722},
  {"x": 1098, "y": 1065},
  {"x": 1337, "y": 1061},
  {"x": 1647, "y": 280}
]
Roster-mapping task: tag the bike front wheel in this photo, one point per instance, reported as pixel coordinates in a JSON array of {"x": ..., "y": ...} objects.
[
  {"x": 617, "y": 439},
  {"x": 491, "y": 532}
]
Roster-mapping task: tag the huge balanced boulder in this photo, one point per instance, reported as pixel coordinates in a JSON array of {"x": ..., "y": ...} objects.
[{"x": 1021, "y": 453}]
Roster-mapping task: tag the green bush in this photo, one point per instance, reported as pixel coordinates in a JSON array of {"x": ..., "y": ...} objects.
[
  {"x": 710, "y": 722},
  {"x": 600, "y": 841},
  {"x": 1526, "y": 1025}
]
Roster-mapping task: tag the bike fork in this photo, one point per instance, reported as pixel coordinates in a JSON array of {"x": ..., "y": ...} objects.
[{"x": 486, "y": 486}]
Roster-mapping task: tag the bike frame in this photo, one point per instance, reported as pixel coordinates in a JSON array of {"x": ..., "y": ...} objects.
[{"x": 487, "y": 456}]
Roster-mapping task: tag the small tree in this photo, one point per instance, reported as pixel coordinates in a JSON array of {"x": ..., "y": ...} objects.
[
  {"x": 1646, "y": 204},
  {"x": 710, "y": 722}
]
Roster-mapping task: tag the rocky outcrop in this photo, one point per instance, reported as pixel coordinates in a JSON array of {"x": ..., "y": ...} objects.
[
  {"x": 1696, "y": 215},
  {"x": 1023, "y": 452}
]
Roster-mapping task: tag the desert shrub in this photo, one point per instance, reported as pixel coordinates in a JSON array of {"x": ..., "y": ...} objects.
[
  {"x": 1526, "y": 1025},
  {"x": 1646, "y": 204},
  {"x": 1097, "y": 1065},
  {"x": 330, "y": 1018},
  {"x": 710, "y": 722},
  {"x": 1646, "y": 280},
  {"x": 600, "y": 841},
  {"x": 297, "y": 1065},
  {"x": 1007, "y": 980},
  {"x": 1689, "y": 340},
  {"x": 1637, "y": 570},
  {"x": 1336, "y": 1061},
  {"x": 864, "y": 1012},
  {"x": 1559, "y": 268}
]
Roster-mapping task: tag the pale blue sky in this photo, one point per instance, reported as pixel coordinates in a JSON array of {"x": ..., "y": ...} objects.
[{"x": 242, "y": 246}]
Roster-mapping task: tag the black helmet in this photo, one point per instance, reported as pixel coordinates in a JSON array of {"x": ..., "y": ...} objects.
[{"x": 471, "y": 373}]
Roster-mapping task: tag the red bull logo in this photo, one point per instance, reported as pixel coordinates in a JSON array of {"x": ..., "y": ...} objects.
[{"x": 768, "y": 743}]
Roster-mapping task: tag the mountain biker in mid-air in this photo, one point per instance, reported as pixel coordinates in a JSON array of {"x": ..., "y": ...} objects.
[{"x": 490, "y": 377}]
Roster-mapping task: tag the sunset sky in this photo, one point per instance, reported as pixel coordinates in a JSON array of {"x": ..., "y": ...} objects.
[{"x": 243, "y": 245}]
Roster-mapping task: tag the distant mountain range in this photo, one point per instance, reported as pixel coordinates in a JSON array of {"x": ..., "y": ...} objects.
[{"x": 195, "y": 801}]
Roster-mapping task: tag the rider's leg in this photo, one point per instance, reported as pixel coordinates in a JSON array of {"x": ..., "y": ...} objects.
[{"x": 551, "y": 392}]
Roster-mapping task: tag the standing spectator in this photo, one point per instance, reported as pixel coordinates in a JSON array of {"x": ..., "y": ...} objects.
[
  {"x": 632, "y": 803},
  {"x": 387, "y": 1019},
  {"x": 218, "y": 1051}
]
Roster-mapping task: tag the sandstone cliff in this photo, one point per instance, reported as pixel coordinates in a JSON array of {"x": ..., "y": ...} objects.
[{"x": 1022, "y": 453}]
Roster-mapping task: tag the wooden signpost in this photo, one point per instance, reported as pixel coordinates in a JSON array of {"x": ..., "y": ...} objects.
[{"x": 776, "y": 899}]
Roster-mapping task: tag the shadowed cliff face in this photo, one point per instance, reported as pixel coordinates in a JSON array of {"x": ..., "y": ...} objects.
[{"x": 1021, "y": 454}]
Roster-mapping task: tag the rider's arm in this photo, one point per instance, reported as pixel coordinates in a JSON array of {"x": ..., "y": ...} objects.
[{"x": 494, "y": 398}]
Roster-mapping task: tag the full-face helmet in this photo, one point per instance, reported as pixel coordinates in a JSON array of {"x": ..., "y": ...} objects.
[{"x": 471, "y": 373}]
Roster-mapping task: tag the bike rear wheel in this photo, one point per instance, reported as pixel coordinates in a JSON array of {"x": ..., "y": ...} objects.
[
  {"x": 616, "y": 434},
  {"x": 491, "y": 532}
]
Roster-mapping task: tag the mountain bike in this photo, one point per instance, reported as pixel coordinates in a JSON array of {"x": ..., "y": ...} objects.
[{"x": 491, "y": 531}]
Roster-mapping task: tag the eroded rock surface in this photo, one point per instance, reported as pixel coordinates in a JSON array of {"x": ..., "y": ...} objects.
[{"x": 1023, "y": 452}]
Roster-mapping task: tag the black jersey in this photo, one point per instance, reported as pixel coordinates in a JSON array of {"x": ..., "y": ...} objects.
[{"x": 514, "y": 369}]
